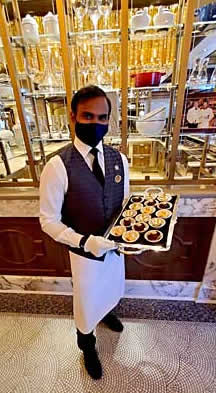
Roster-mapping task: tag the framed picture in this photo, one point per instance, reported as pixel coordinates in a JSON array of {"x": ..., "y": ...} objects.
[{"x": 199, "y": 114}]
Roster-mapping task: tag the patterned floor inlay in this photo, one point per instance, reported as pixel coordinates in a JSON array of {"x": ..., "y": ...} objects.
[
  {"x": 38, "y": 354},
  {"x": 171, "y": 310}
]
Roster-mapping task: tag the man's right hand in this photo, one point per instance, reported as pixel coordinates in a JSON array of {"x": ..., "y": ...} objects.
[{"x": 98, "y": 245}]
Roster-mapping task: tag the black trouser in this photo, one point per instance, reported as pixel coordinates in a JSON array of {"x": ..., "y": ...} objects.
[{"x": 85, "y": 341}]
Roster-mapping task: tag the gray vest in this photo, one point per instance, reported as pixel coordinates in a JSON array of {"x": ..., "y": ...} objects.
[{"x": 88, "y": 207}]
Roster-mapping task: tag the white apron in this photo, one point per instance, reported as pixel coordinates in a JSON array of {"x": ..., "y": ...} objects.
[{"x": 97, "y": 288}]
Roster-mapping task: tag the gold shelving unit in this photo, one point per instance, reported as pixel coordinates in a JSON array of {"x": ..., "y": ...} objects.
[{"x": 113, "y": 53}]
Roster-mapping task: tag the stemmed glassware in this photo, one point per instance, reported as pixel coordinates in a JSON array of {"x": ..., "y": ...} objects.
[
  {"x": 65, "y": 132},
  {"x": 80, "y": 8},
  {"x": 57, "y": 66},
  {"x": 94, "y": 13},
  {"x": 84, "y": 60},
  {"x": 203, "y": 75},
  {"x": 32, "y": 67},
  {"x": 48, "y": 81},
  {"x": 98, "y": 53},
  {"x": 110, "y": 59},
  {"x": 195, "y": 71},
  {"x": 105, "y": 8},
  {"x": 213, "y": 76}
]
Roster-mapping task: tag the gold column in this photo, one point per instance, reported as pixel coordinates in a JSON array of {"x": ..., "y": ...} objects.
[
  {"x": 185, "y": 49},
  {"x": 124, "y": 71},
  {"x": 12, "y": 72},
  {"x": 60, "y": 4}
]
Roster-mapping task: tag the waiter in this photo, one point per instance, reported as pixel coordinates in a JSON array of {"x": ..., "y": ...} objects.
[
  {"x": 81, "y": 190},
  {"x": 207, "y": 115},
  {"x": 194, "y": 115}
]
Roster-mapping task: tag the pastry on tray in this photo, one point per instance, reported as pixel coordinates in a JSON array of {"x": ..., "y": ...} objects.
[
  {"x": 137, "y": 199},
  {"x": 163, "y": 197},
  {"x": 118, "y": 230},
  {"x": 129, "y": 213},
  {"x": 136, "y": 206},
  {"x": 157, "y": 222},
  {"x": 143, "y": 217},
  {"x": 140, "y": 226},
  {"x": 154, "y": 236},
  {"x": 164, "y": 205},
  {"x": 164, "y": 213},
  {"x": 148, "y": 209},
  {"x": 127, "y": 221},
  {"x": 150, "y": 202},
  {"x": 130, "y": 236}
]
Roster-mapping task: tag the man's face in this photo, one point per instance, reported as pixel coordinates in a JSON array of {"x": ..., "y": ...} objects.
[
  {"x": 205, "y": 105},
  {"x": 94, "y": 110},
  {"x": 196, "y": 104}
]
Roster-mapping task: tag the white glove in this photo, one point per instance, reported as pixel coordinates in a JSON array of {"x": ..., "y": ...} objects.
[{"x": 98, "y": 245}]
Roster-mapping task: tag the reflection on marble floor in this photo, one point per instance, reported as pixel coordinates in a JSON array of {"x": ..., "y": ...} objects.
[
  {"x": 188, "y": 207},
  {"x": 197, "y": 207},
  {"x": 144, "y": 289},
  {"x": 39, "y": 354},
  {"x": 36, "y": 284},
  {"x": 207, "y": 291},
  {"x": 167, "y": 290}
]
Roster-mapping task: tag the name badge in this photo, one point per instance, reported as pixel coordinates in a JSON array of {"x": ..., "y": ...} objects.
[{"x": 118, "y": 178}]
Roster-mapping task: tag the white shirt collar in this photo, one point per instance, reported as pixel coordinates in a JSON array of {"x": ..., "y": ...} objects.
[{"x": 84, "y": 149}]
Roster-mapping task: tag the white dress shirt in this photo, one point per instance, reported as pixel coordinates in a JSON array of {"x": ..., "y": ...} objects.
[
  {"x": 194, "y": 115},
  {"x": 206, "y": 116},
  {"x": 53, "y": 187}
]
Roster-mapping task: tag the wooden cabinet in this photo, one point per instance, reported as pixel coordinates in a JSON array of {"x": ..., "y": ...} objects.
[
  {"x": 186, "y": 259},
  {"x": 26, "y": 250}
]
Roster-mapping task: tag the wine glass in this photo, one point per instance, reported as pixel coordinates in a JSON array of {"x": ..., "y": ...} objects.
[
  {"x": 203, "y": 75},
  {"x": 84, "y": 60},
  {"x": 213, "y": 76},
  {"x": 195, "y": 71},
  {"x": 94, "y": 13},
  {"x": 32, "y": 67},
  {"x": 98, "y": 53},
  {"x": 80, "y": 8},
  {"x": 105, "y": 8},
  {"x": 57, "y": 66},
  {"x": 111, "y": 62}
]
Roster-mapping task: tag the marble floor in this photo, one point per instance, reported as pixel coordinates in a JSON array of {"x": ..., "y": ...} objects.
[{"x": 38, "y": 354}]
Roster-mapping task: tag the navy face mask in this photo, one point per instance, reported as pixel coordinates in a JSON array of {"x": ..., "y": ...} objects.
[{"x": 91, "y": 133}]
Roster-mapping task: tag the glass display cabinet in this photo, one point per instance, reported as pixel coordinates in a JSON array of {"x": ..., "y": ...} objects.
[
  {"x": 155, "y": 60},
  {"x": 32, "y": 90},
  {"x": 196, "y": 152}
]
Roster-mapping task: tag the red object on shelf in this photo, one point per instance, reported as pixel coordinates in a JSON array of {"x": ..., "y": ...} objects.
[{"x": 147, "y": 78}]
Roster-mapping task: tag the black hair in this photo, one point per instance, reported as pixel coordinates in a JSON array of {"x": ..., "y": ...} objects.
[{"x": 86, "y": 93}]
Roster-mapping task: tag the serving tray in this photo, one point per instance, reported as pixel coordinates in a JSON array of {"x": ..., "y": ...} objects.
[{"x": 141, "y": 245}]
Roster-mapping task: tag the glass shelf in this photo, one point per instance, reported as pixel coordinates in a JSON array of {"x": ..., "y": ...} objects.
[
  {"x": 43, "y": 39},
  {"x": 106, "y": 36},
  {"x": 45, "y": 94},
  {"x": 8, "y": 100},
  {"x": 206, "y": 23},
  {"x": 137, "y": 137},
  {"x": 38, "y": 139},
  {"x": 204, "y": 86},
  {"x": 204, "y": 33},
  {"x": 184, "y": 131},
  {"x": 167, "y": 86},
  {"x": 153, "y": 32}
]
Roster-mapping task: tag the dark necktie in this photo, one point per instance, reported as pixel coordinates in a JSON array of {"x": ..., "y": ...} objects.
[{"x": 96, "y": 169}]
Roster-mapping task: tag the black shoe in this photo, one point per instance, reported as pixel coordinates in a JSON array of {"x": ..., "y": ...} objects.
[
  {"x": 113, "y": 323},
  {"x": 92, "y": 363}
]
